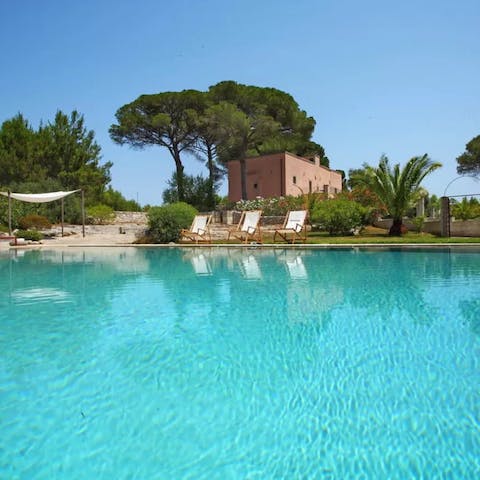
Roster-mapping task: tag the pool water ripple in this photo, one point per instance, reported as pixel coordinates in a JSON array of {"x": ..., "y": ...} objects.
[{"x": 215, "y": 363}]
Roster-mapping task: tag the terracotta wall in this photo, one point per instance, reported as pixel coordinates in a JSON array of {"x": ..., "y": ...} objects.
[
  {"x": 234, "y": 185},
  {"x": 305, "y": 176},
  {"x": 264, "y": 177},
  {"x": 273, "y": 175}
]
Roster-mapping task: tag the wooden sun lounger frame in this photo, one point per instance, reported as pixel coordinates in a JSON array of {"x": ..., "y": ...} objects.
[
  {"x": 13, "y": 240},
  {"x": 283, "y": 232},
  {"x": 203, "y": 235},
  {"x": 245, "y": 236}
]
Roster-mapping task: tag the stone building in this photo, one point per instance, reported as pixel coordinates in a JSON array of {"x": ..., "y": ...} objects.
[{"x": 279, "y": 174}]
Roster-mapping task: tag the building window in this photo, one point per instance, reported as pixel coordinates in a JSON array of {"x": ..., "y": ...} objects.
[
  {"x": 325, "y": 189},
  {"x": 294, "y": 180},
  {"x": 255, "y": 186},
  {"x": 309, "y": 186}
]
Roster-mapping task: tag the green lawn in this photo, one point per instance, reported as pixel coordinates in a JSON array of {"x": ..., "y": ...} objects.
[
  {"x": 379, "y": 236},
  {"x": 319, "y": 238}
]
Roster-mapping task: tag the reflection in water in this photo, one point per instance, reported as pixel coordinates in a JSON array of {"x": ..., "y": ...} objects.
[
  {"x": 200, "y": 264},
  {"x": 371, "y": 354},
  {"x": 45, "y": 294},
  {"x": 296, "y": 268},
  {"x": 306, "y": 301},
  {"x": 250, "y": 268},
  {"x": 246, "y": 262},
  {"x": 309, "y": 285},
  {"x": 293, "y": 260}
]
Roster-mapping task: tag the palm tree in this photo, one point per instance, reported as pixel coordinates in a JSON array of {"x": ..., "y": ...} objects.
[{"x": 397, "y": 188}]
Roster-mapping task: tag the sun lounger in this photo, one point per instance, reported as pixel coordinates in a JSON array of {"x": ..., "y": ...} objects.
[
  {"x": 294, "y": 227},
  {"x": 248, "y": 227},
  {"x": 8, "y": 238},
  {"x": 199, "y": 231},
  {"x": 14, "y": 241}
]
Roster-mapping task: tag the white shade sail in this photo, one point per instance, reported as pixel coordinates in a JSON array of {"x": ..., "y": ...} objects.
[
  {"x": 38, "y": 197},
  {"x": 41, "y": 198}
]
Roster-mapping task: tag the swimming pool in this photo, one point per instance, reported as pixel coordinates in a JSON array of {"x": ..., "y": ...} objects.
[{"x": 230, "y": 363}]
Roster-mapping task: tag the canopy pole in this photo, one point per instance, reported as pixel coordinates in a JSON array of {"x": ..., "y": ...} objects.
[
  {"x": 83, "y": 213},
  {"x": 63, "y": 214},
  {"x": 9, "y": 214}
]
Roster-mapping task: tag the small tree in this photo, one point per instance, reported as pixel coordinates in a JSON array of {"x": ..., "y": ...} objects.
[
  {"x": 115, "y": 199},
  {"x": 466, "y": 209},
  {"x": 359, "y": 191},
  {"x": 432, "y": 206},
  {"x": 419, "y": 222},
  {"x": 100, "y": 214},
  {"x": 469, "y": 161},
  {"x": 17, "y": 151},
  {"x": 63, "y": 152},
  {"x": 197, "y": 192},
  {"x": 165, "y": 223},
  {"x": 396, "y": 188},
  {"x": 338, "y": 216},
  {"x": 67, "y": 151}
]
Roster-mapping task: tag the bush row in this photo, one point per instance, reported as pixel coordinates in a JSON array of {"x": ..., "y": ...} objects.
[
  {"x": 338, "y": 217},
  {"x": 165, "y": 223}
]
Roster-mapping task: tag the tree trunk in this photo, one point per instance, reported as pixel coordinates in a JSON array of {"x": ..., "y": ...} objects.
[
  {"x": 243, "y": 177},
  {"x": 180, "y": 183},
  {"x": 211, "y": 177},
  {"x": 396, "y": 228},
  {"x": 243, "y": 166}
]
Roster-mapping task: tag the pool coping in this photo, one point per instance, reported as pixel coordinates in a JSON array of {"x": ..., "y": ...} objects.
[{"x": 300, "y": 246}]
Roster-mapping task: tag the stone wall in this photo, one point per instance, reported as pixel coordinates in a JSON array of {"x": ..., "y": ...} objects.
[
  {"x": 138, "y": 218},
  {"x": 458, "y": 228},
  {"x": 465, "y": 228},
  {"x": 232, "y": 217},
  {"x": 228, "y": 217}
]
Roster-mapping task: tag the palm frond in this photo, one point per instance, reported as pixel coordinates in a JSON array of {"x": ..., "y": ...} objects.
[{"x": 396, "y": 187}]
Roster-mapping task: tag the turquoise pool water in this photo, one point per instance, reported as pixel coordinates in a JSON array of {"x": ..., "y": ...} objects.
[{"x": 257, "y": 364}]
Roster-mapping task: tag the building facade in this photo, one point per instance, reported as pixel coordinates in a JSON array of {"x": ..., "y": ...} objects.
[{"x": 280, "y": 174}]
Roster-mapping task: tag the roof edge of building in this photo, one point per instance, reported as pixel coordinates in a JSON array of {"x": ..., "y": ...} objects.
[{"x": 285, "y": 153}]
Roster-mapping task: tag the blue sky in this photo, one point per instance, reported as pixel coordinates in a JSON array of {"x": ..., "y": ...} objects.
[{"x": 379, "y": 77}]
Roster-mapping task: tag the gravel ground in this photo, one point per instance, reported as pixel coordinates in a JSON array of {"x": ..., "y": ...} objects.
[
  {"x": 118, "y": 234},
  {"x": 105, "y": 235}
]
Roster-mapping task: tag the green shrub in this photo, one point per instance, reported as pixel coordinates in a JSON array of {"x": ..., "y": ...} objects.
[
  {"x": 198, "y": 191},
  {"x": 165, "y": 223},
  {"x": 29, "y": 235},
  {"x": 113, "y": 198},
  {"x": 34, "y": 221},
  {"x": 466, "y": 209},
  {"x": 100, "y": 214},
  {"x": 419, "y": 222},
  {"x": 339, "y": 217}
]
